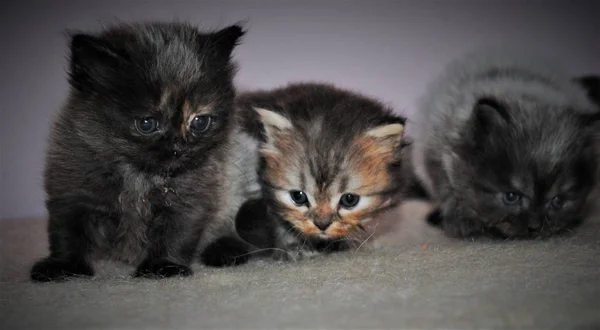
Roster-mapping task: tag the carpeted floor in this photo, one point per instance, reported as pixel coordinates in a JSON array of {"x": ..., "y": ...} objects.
[{"x": 412, "y": 277}]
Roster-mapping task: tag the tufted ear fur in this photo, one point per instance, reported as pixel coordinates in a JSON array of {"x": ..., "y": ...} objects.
[
  {"x": 388, "y": 137},
  {"x": 591, "y": 83},
  {"x": 488, "y": 115},
  {"x": 277, "y": 129},
  {"x": 226, "y": 39},
  {"x": 93, "y": 59}
]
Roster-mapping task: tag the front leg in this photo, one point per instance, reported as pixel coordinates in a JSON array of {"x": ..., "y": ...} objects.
[
  {"x": 172, "y": 242},
  {"x": 458, "y": 220},
  {"x": 71, "y": 238},
  {"x": 290, "y": 245}
]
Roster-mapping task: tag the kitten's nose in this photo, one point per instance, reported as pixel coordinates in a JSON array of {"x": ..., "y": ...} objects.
[
  {"x": 323, "y": 224},
  {"x": 535, "y": 222}
]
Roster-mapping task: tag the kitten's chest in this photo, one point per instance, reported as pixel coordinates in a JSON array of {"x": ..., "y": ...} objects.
[
  {"x": 142, "y": 194},
  {"x": 139, "y": 199}
]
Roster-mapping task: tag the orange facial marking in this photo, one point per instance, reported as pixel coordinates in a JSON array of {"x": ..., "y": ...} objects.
[
  {"x": 338, "y": 229},
  {"x": 168, "y": 93},
  {"x": 187, "y": 110},
  {"x": 323, "y": 209},
  {"x": 277, "y": 168},
  {"x": 371, "y": 161},
  {"x": 309, "y": 228},
  {"x": 284, "y": 143},
  {"x": 189, "y": 113},
  {"x": 294, "y": 214}
]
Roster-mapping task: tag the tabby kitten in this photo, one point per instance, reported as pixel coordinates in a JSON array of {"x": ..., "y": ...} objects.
[
  {"x": 329, "y": 161},
  {"x": 504, "y": 146},
  {"x": 135, "y": 169}
]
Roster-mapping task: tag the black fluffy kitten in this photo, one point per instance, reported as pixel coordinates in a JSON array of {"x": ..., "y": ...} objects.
[
  {"x": 134, "y": 168},
  {"x": 505, "y": 146}
]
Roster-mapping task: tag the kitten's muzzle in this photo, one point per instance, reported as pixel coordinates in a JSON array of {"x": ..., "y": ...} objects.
[{"x": 323, "y": 224}]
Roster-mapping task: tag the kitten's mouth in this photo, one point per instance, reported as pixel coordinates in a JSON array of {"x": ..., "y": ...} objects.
[{"x": 323, "y": 235}]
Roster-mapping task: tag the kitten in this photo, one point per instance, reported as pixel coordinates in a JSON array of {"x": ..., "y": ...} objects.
[
  {"x": 504, "y": 147},
  {"x": 135, "y": 169},
  {"x": 330, "y": 161}
]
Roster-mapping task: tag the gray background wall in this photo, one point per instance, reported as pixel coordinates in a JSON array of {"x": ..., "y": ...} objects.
[{"x": 388, "y": 49}]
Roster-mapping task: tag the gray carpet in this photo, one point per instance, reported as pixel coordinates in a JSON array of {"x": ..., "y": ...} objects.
[{"x": 406, "y": 276}]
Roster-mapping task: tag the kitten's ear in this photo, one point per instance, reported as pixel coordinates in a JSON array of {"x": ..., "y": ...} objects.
[
  {"x": 487, "y": 114},
  {"x": 387, "y": 136},
  {"x": 276, "y": 126},
  {"x": 226, "y": 39},
  {"x": 592, "y": 119},
  {"x": 591, "y": 84},
  {"x": 91, "y": 58}
]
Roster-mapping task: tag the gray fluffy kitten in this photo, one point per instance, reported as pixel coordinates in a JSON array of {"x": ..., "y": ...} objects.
[{"x": 503, "y": 146}]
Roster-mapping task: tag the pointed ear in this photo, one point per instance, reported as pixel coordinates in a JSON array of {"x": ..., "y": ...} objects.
[
  {"x": 591, "y": 119},
  {"x": 388, "y": 137},
  {"x": 92, "y": 58},
  {"x": 488, "y": 113},
  {"x": 277, "y": 128},
  {"x": 226, "y": 39},
  {"x": 591, "y": 84}
]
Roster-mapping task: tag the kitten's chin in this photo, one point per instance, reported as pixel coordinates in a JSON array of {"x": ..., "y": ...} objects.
[
  {"x": 164, "y": 167},
  {"x": 526, "y": 231}
]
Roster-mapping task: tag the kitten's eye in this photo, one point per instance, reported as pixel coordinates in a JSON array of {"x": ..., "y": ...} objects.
[
  {"x": 349, "y": 200},
  {"x": 298, "y": 197},
  {"x": 200, "y": 123},
  {"x": 511, "y": 198},
  {"x": 557, "y": 202},
  {"x": 147, "y": 125}
]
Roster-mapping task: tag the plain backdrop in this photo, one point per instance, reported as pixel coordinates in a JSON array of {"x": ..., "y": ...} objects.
[{"x": 387, "y": 49}]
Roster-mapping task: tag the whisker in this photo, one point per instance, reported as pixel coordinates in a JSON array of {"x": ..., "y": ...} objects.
[
  {"x": 366, "y": 239},
  {"x": 262, "y": 250}
]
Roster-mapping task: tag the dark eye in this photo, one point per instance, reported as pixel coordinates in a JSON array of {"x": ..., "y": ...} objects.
[
  {"x": 147, "y": 125},
  {"x": 349, "y": 200},
  {"x": 511, "y": 198},
  {"x": 557, "y": 202},
  {"x": 200, "y": 123},
  {"x": 299, "y": 197}
]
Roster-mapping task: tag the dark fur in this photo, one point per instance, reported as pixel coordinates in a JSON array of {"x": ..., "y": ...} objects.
[
  {"x": 114, "y": 193},
  {"x": 345, "y": 116},
  {"x": 592, "y": 84},
  {"x": 543, "y": 150},
  {"x": 499, "y": 128}
]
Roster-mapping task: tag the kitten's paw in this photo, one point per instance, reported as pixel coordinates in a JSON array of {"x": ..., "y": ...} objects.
[
  {"x": 435, "y": 218},
  {"x": 463, "y": 228},
  {"x": 283, "y": 255},
  {"x": 226, "y": 251},
  {"x": 161, "y": 268},
  {"x": 50, "y": 269},
  {"x": 295, "y": 254}
]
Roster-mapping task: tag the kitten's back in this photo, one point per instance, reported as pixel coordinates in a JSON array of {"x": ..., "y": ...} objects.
[{"x": 504, "y": 74}]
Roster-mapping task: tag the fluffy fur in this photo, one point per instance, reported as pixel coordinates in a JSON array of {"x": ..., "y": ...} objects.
[
  {"x": 318, "y": 144},
  {"x": 504, "y": 146},
  {"x": 138, "y": 157}
]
